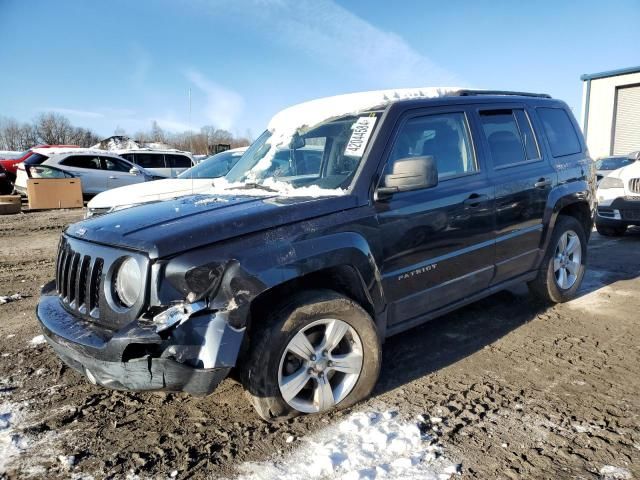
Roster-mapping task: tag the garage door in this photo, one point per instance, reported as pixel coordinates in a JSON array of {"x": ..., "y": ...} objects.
[{"x": 626, "y": 136}]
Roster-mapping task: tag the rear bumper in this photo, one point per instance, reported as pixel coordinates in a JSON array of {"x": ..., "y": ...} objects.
[
  {"x": 619, "y": 212},
  {"x": 194, "y": 360}
]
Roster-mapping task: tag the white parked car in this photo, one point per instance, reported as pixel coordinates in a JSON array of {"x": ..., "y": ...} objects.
[
  {"x": 161, "y": 163},
  {"x": 98, "y": 170},
  {"x": 197, "y": 179},
  {"x": 619, "y": 199}
]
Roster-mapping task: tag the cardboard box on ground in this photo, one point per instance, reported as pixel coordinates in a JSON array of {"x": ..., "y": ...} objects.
[{"x": 48, "y": 193}]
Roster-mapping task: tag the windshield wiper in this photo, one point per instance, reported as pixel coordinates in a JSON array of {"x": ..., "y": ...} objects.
[{"x": 252, "y": 185}]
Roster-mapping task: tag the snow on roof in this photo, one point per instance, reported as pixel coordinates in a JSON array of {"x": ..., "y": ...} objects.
[
  {"x": 122, "y": 144},
  {"x": 149, "y": 149},
  {"x": 315, "y": 111},
  {"x": 49, "y": 152},
  {"x": 116, "y": 142},
  {"x": 287, "y": 122}
]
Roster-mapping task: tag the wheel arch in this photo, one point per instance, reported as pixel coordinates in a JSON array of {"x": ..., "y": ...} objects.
[{"x": 573, "y": 199}]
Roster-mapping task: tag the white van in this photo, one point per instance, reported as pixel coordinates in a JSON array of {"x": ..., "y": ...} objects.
[{"x": 162, "y": 163}]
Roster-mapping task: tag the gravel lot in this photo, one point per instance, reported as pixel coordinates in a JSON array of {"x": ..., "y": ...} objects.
[{"x": 522, "y": 390}]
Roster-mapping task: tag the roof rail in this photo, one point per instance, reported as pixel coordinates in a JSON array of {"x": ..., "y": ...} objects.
[{"x": 468, "y": 93}]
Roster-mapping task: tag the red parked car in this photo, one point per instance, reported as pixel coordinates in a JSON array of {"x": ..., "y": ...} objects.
[{"x": 11, "y": 164}]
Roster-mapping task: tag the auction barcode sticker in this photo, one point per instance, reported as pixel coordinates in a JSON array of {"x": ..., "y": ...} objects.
[{"x": 360, "y": 136}]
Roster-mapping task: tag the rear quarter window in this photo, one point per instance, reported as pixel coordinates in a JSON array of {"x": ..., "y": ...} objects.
[
  {"x": 178, "y": 161},
  {"x": 150, "y": 160},
  {"x": 562, "y": 136},
  {"x": 35, "y": 159}
]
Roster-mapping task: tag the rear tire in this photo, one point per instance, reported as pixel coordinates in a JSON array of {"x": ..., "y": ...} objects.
[
  {"x": 321, "y": 349},
  {"x": 611, "y": 231},
  {"x": 563, "y": 266}
]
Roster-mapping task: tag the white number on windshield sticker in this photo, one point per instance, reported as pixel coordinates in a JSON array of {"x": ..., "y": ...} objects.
[{"x": 360, "y": 136}]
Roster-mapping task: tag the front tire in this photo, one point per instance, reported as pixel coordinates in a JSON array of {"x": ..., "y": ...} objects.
[
  {"x": 318, "y": 352},
  {"x": 563, "y": 266}
]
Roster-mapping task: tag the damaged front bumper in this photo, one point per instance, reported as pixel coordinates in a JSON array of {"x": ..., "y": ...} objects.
[{"x": 194, "y": 356}]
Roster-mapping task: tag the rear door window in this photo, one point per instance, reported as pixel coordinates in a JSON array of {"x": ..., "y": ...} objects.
[
  {"x": 509, "y": 136},
  {"x": 177, "y": 161},
  {"x": 150, "y": 160},
  {"x": 90, "y": 162},
  {"x": 562, "y": 137}
]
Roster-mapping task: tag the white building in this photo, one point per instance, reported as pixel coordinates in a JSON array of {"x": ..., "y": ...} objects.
[{"x": 611, "y": 112}]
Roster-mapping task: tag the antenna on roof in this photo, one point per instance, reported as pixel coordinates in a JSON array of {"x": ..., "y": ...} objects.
[{"x": 190, "y": 137}]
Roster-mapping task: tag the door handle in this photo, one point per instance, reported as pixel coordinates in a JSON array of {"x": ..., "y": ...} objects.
[
  {"x": 542, "y": 183},
  {"x": 475, "y": 200},
  {"x": 112, "y": 177}
]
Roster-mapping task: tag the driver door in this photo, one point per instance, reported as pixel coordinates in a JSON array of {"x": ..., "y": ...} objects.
[{"x": 438, "y": 242}]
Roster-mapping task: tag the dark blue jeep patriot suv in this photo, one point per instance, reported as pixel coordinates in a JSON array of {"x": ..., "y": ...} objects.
[{"x": 350, "y": 219}]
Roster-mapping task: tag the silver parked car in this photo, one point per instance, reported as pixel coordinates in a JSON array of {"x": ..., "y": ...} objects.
[{"x": 97, "y": 170}]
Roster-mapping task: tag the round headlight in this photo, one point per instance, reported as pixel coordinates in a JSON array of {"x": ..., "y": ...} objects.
[{"x": 128, "y": 282}]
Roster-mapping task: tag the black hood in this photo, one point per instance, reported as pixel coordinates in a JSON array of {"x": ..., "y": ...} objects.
[{"x": 164, "y": 228}]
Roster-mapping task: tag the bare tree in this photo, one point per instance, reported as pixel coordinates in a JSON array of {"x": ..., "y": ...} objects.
[{"x": 53, "y": 129}]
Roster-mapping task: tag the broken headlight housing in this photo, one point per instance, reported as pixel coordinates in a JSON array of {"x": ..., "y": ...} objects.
[{"x": 176, "y": 314}]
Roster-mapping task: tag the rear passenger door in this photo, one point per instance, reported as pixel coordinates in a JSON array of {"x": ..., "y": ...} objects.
[
  {"x": 523, "y": 178},
  {"x": 437, "y": 243},
  {"x": 119, "y": 173},
  {"x": 87, "y": 167}
]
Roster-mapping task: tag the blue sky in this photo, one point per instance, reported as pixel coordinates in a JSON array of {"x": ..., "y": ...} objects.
[{"x": 126, "y": 63}]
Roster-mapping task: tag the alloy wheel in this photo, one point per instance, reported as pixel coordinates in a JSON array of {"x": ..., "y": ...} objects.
[
  {"x": 320, "y": 365},
  {"x": 567, "y": 260}
]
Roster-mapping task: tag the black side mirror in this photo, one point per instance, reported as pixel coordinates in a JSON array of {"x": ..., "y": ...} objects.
[
  {"x": 411, "y": 173},
  {"x": 634, "y": 156}
]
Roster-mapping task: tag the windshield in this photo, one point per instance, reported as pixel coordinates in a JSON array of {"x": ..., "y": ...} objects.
[
  {"x": 325, "y": 156},
  {"x": 613, "y": 163},
  {"x": 214, "y": 166}
]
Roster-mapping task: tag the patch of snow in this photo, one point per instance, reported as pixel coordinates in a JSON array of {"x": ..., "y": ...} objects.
[
  {"x": 222, "y": 187},
  {"x": 364, "y": 446},
  {"x": 11, "y": 443},
  {"x": 11, "y": 298},
  {"x": 68, "y": 461},
  {"x": 37, "y": 340},
  {"x": 117, "y": 142},
  {"x": 609, "y": 472}
]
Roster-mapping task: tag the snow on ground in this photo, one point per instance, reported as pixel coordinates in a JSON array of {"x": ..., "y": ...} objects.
[
  {"x": 367, "y": 445},
  {"x": 11, "y": 443},
  {"x": 609, "y": 472},
  {"x": 37, "y": 340},
  {"x": 11, "y": 298}
]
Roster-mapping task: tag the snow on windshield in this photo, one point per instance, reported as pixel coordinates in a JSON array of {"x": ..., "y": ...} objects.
[{"x": 285, "y": 124}]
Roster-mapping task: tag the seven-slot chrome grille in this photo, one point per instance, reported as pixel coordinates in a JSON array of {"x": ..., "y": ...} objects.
[
  {"x": 634, "y": 185},
  {"x": 78, "y": 280},
  {"x": 85, "y": 274}
]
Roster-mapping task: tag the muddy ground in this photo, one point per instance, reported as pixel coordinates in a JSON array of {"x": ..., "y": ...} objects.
[{"x": 524, "y": 390}]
